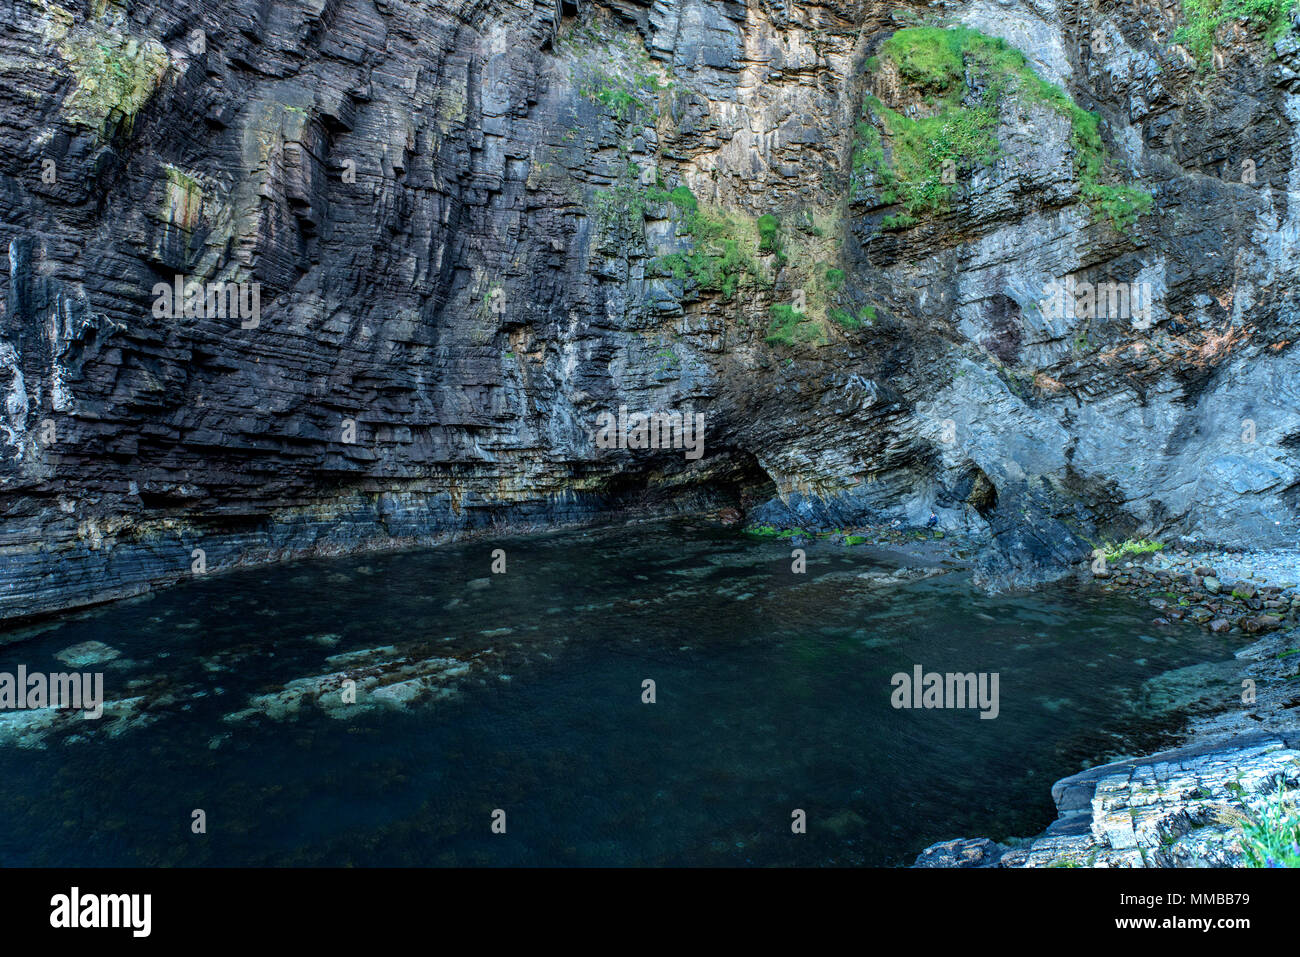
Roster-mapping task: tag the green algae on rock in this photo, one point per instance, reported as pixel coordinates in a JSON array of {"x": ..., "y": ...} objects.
[{"x": 115, "y": 76}]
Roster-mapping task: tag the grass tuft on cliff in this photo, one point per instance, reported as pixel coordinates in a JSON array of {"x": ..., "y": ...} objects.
[
  {"x": 960, "y": 133},
  {"x": 1272, "y": 839},
  {"x": 1205, "y": 17},
  {"x": 866, "y": 316},
  {"x": 789, "y": 327},
  {"x": 1131, "y": 547},
  {"x": 721, "y": 258}
]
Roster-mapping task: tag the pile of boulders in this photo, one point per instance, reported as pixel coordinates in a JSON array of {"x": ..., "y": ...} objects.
[{"x": 1197, "y": 594}]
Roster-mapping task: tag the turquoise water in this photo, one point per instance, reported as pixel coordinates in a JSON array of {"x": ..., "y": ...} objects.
[{"x": 773, "y": 694}]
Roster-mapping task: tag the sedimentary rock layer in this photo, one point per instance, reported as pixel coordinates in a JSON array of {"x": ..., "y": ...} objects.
[{"x": 475, "y": 225}]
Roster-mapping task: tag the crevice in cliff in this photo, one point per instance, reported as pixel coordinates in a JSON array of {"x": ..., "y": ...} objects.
[{"x": 727, "y": 479}]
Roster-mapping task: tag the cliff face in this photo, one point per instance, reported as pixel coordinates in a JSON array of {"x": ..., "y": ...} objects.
[{"x": 465, "y": 229}]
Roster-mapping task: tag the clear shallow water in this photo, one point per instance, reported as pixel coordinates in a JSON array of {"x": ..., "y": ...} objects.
[{"x": 773, "y": 694}]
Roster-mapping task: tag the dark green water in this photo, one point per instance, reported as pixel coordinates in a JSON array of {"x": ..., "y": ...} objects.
[{"x": 773, "y": 693}]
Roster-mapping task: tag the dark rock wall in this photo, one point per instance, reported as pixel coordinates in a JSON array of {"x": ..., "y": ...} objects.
[{"x": 454, "y": 216}]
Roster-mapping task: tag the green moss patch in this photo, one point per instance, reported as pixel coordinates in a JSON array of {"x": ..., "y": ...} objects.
[
  {"x": 1132, "y": 547},
  {"x": 789, "y": 327},
  {"x": 1203, "y": 18},
  {"x": 960, "y": 130},
  {"x": 115, "y": 77}
]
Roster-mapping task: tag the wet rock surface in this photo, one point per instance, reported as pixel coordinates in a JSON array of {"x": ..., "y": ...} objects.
[{"x": 1238, "y": 592}]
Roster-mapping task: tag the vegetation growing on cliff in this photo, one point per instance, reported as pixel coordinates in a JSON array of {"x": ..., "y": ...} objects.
[
  {"x": 115, "y": 77},
  {"x": 865, "y": 316},
  {"x": 769, "y": 236},
  {"x": 623, "y": 96},
  {"x": 789, "y": 327},
  {"x": 621, "y": 208},
  {"x": 613, "y": 68},
  {"x": 721, "y": 258},
  {"x": 727, "y": 253},
  {"x": 1204, "y": 17},
  {"x": 926, "y": 153},
  {"x": 808, "y": 254},
  {"x": 1272, "y": 839}
]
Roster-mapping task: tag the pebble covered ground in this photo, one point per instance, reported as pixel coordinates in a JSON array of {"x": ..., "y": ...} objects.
[{"x": 1227, "y": 592}]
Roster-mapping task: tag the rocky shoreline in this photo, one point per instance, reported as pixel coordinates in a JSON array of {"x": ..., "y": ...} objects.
[
  {"x": 1228, "y": 592},
  {"x": 1240, "y": 742}
]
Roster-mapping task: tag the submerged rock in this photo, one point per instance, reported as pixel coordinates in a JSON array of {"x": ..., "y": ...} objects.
[
  {"x": 962, "y": 852},
  {"x": 899, "y": 576},
  {"x": 363, "y": 680},
  {"x": 35, "y": 728},
  {"x": 87, "y": 653}
]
